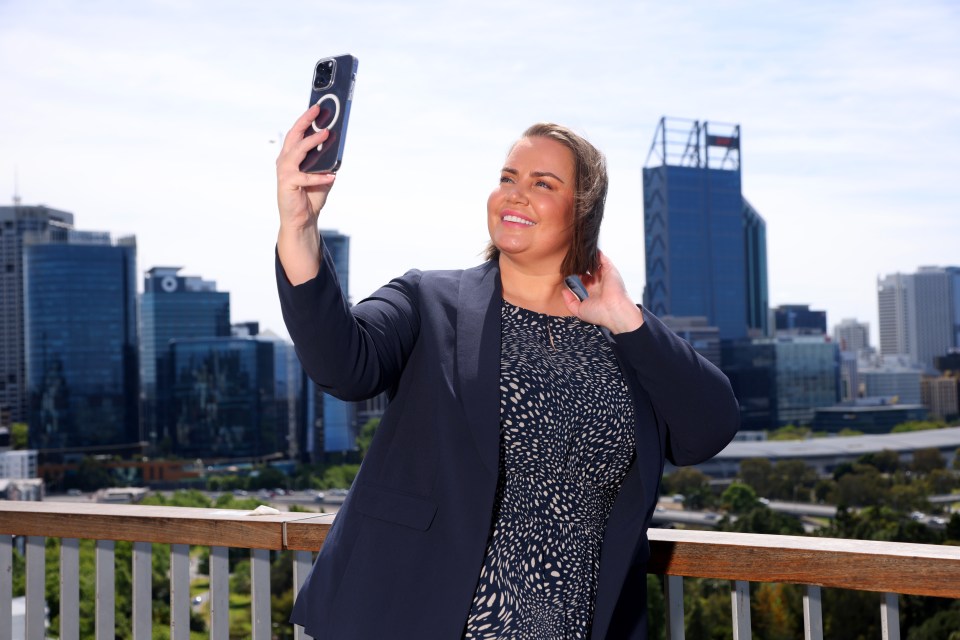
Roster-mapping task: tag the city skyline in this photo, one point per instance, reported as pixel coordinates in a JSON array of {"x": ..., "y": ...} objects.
[{"x": 848, "y": 115}]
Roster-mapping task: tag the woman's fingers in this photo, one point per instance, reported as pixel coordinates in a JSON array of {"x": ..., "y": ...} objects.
[{"x": 295, "y": 134}]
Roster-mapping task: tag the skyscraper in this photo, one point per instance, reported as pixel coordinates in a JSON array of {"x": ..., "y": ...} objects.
[
  {"x": 230, "y": 399},
  {"x": 80, "y": 316},
  {"x": 705, "y": 244},
  {"x": 919, "y": 314},
  {"x": 19, "y": 224},
  {"x": 173, "y": 307},
  {"x": 339, "y": 417},
  {"x": 799, "y": 320},
  {"x": 852, "y": 335}
]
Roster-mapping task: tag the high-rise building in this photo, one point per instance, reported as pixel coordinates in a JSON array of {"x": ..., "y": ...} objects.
[
  {"x": 229, "y": 399},
  {"x": 852, "y": 335},
  {"x": 808, "y": 377},
  {"x": 19, "y": 224},
  {"x": 799, "y": 320},
  {"x": 940, "y": 396},
  {"x": 783, "y": 380},
  {"x": 919, "y": 314},
  {"x": 895, "y": 379},
  {"x": 751, "y": 366},
  {"x": 340, "y": 426},
  {"x": 705, "y": 244},
  {"x": 755, "y": 237},
  {"x": 173, "y": 307},
  {"x": 80, "y": 315}
]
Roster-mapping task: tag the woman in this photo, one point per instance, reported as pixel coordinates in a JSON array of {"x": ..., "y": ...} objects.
[{"x": 510, "y": 484}]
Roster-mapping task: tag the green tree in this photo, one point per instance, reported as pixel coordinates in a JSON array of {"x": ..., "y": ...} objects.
[
  {"x": 926, "y": 460},
  {"x": 885, "y": 461},
  {"x": 756, "y": 472},
  {"x": 340, "y": 476},
  {"x": 19, "y": 435},
  {"x": 792, "y": 480},
  {"x": 776, "y": 611},
  {"x": 907, "y": 497},
  {"x": 863, "y": 486},
  {"x": 953, "y": 528},
  {"x": 365, "y": 437},
  {"x": 763, "y": 519},
  {"x": 656, "y": 608},
  {"x": 739, "y": 498},
  {"x": 692, "y": 484},
  {"x": 706, "y": 605},
  {"x": 918, "y": 425},
  {"x": 91, "y": 475},
  {"x": 790, "y": 432},
  {"x": 267, "y": 477},
  {"x": 943, "y": 625}
]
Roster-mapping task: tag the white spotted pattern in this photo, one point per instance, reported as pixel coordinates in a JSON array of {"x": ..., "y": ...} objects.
[{"x": 566, "y": 443}]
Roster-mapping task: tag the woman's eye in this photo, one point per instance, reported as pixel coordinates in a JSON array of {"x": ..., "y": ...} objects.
[
  {"x": 546, "y": 185},
  {"x": 505, "y": 179}
]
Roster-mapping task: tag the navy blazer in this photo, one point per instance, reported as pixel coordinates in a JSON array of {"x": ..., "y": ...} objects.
[{"x": 404, "y": 554}]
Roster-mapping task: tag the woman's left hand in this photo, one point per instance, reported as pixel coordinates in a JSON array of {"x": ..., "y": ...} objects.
[{"x": 607, "y": 304}]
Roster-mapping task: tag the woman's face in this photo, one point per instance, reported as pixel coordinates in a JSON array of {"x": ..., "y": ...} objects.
[{"x": 530, "y": 213}]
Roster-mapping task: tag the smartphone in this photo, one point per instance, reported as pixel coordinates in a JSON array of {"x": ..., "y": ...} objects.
[
  {"x": 576, "y": 285},
  {"x": 332, "y": 89}
]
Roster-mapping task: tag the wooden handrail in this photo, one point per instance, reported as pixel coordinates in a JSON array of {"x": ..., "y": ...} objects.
[
  {"x": 863, "y": 565},
  {"x": 138, "y": 523},
  {"x": 914, "y": 569}
]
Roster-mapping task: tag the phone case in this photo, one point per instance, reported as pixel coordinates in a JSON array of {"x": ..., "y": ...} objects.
[{"x": 334, "y": 94}]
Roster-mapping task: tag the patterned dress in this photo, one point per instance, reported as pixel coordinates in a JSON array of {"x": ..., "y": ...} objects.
[{"x": 566, "y": 443}]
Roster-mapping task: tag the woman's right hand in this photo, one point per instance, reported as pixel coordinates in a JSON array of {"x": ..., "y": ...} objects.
[{"x": 300, "y": 197}]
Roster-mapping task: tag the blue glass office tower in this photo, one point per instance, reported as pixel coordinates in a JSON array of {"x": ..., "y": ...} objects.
[
  {"x": 19, "y": 225},
  {"x": 81, "y": 342},
  {"x": 339, "y": 417},
  {"x": 173, "y": 307},
  {"x": 705, "y": 244},
  {"x": 226, "y": 399}
]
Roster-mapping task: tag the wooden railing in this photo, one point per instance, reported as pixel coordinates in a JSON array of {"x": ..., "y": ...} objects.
[{"x": 887, "y": 568}]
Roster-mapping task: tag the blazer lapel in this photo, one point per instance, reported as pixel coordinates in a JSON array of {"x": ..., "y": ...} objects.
[{"x": 478, "y": 358}]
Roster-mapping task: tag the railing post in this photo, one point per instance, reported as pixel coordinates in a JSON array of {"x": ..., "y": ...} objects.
[
  {"x": 179, "y": 592},
  {"x": 673, "y": 585},
  {"x": 70, "y": 589},
  {"x": 812, "y": 614},
  {"x": 301, "y": 567},
  {"x": 740, "y": 603},
  {"x": 260, "y": 593},
  {"x": 142, "y": 591},
  {"x": 890, "y": 616},
  {"x": 6, "y": 582},
  {"x": 36, "y": 581},
  {"x": 106, "y": 628},
  {"x": 219, "y": 593}
]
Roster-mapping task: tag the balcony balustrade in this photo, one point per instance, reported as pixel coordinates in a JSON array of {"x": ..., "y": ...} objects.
[{"x": 890, "y": 569}]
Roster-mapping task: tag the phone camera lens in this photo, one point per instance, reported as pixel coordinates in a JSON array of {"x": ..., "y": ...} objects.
[{"x": 323, "y": 77}]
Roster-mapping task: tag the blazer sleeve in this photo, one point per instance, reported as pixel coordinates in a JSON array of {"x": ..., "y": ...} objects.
[
  {"x": 689, "y": 394},
  {"x": 351, "y": 353}
]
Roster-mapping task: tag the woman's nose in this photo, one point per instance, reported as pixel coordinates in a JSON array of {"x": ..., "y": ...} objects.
[{"x": 516, "y": 193}]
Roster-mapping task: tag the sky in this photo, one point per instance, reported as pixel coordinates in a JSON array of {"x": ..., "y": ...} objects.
[{"x": 160, "y": 118}]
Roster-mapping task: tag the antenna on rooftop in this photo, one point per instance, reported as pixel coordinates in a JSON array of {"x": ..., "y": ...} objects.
[{"x": 16, "y": 188}]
